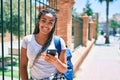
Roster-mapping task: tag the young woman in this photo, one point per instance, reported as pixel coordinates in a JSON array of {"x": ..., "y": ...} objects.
[{"x": 34, "y": 48}]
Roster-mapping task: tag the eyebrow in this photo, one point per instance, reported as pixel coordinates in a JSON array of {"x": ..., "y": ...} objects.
[{"x": 45, "y": 19}]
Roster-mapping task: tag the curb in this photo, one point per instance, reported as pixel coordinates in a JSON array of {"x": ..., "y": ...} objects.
[{"x": 80, "y": 54}]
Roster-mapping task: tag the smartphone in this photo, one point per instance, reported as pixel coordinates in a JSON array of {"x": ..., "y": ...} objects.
[{"x": 52, "y": 52}]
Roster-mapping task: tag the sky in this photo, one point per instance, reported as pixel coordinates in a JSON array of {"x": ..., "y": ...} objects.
[{"x": 114, "y": 7}]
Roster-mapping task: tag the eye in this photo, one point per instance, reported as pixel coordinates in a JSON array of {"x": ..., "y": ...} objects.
[
  {"x": 43, "y": 21},
  {"x": 50, "y": 23}
]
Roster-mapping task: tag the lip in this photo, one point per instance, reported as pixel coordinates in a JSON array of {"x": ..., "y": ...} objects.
[{"x": 45, "y": 29}]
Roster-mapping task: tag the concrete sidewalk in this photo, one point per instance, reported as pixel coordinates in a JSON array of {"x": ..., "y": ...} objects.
[{"x": 102, "y": 62}]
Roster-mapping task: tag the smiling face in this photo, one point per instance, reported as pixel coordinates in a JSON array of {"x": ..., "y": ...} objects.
[{"x": 46, "y": 23}]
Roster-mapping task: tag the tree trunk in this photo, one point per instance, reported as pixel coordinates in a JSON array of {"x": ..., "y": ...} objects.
[{"x": 107, "y": 23}]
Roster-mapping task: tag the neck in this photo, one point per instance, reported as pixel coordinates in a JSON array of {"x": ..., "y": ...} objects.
[{"x": 41, "y": 38}]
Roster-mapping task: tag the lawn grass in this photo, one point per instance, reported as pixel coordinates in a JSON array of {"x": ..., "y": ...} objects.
[
  {"x": 7, "y": 73},
  {"x": 7, "y": 69}
]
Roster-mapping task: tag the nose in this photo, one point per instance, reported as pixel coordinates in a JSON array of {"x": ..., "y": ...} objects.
[{"x": 46, "y": 24}]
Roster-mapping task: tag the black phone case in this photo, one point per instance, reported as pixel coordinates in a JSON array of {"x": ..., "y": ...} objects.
[{"x": 52, "y": 52}]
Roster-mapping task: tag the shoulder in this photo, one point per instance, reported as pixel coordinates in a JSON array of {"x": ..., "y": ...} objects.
[
  {"x": 61, "y": 40},
  {"x": 28, "y": 37},
  {"x": 58, "y": 38}
]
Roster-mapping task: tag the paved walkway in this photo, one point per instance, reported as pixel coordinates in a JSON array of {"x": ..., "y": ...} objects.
[{"x": 102, "y": 62}]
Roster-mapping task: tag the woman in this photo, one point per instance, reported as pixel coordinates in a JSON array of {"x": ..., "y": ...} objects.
[{"x": 34, "y": 48}]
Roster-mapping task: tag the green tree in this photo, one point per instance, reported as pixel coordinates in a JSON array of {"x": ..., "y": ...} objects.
[
  {"x": 88, "y": 9},
  {"x": 113, "y": 24},
  {"x": 7, "y": 16},
  {"x": 107, "y": 41}
]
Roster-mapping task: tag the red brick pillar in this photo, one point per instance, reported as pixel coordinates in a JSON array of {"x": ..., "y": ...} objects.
[
  {"x": 91, "y": 29},
  {"x": 64, "y": 23},
  {"x": 85, "y": 30},
  {"x": 95, "y": 28}
]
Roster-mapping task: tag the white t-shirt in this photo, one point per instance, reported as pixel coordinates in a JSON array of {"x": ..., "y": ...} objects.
[{"x": 41, "y": 69}]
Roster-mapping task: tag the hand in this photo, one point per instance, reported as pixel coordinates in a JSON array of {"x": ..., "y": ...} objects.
[{"x": 49, "y": 58}]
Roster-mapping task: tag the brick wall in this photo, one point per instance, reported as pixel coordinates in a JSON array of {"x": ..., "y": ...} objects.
[
  {"x": 85, "y": 29},
  {"x": 64, "y": 24}
]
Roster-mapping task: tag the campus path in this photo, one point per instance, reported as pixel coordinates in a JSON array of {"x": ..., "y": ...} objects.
[{"x": 102, "y": 62}]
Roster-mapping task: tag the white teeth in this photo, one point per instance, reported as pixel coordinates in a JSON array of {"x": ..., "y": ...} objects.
[{"x": 45, "y": 28}]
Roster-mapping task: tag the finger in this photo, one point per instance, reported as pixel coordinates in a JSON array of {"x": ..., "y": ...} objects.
[
  {"x": 56, "y": 55},
  {"x": 50, "y": 56},
  {"x": 43, "y": 56}
]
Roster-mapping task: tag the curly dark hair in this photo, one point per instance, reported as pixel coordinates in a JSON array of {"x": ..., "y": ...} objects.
[{"x": 36, "y": 30}]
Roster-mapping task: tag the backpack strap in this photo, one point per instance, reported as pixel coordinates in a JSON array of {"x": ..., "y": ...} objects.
[
  {"x": 57, "y": 44},
  {"x": 58, "y": 47}
]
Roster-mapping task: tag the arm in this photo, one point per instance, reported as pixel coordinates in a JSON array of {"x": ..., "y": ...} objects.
[
  {"x": 23, "y": 64},
  {"x": 59, "y": 63}
]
